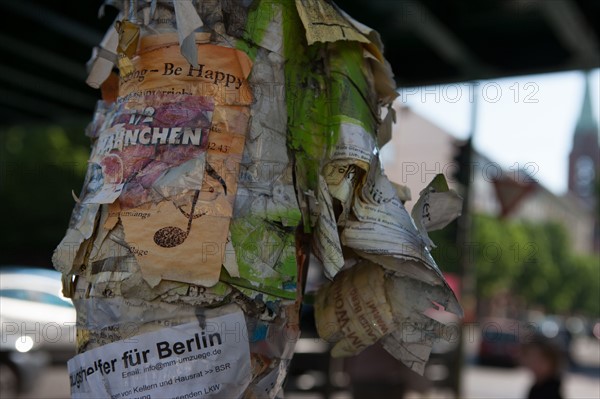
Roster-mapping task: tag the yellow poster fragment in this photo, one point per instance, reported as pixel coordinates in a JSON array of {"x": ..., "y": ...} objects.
[
  {"x": 176, "y": 243},
  {"x": 323, "y": 23},
  {"x": 160, "y": 68}
]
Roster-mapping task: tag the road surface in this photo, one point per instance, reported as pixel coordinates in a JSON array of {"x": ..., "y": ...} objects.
[{"x": 478, "y": 383}]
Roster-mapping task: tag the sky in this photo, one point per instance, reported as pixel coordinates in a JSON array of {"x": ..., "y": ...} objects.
[{"x": 523, "y": 121}]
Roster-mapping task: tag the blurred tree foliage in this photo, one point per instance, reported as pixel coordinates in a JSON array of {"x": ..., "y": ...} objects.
[
  {"x": 39, "y": 166},
  {"x": 534, "y": 261}
]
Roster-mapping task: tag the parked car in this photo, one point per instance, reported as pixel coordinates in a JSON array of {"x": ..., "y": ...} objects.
[
  {"x": 500, "y": 342},
  {"x": 37, "y": 325}
]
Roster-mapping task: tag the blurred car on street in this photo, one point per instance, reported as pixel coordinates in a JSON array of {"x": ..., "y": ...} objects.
[
  {"x": 500, "y": 342},
  {"x": 37, "y": 325}
]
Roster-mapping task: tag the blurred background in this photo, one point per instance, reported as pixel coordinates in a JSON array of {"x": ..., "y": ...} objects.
[{"x": 501, "y": 96}]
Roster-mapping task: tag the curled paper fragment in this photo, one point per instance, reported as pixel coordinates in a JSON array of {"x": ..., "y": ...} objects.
[
  {"x": 384, "y": 134},
  {"x": 439, "y": 205},
  {"x": 187, "y": 23},
  {"x": 129, "y": 36},
  {"x": 365, "y": 304},
  {"x": 436, "y": 208},
  {"x": 326, "y": 243},
  {"x": 353, "y": 311},
  {"x": 412, "y": 339},
  {"x": 69, "y": 253},
  {"x": 104, "y": 58}
]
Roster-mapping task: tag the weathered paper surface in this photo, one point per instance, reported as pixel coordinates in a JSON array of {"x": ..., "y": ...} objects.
[
  {"x": 129, "y": 35},
  {"x": 384, "y": 134},
  {"x": 68, "y": 254},
  {"x": 341, "y": 178},
  {"x": 229, "y": 261},
  {"x": 165, "y": 215},
  {"x": 412, "y": 350},
  {"x": 266, "y": 256}
]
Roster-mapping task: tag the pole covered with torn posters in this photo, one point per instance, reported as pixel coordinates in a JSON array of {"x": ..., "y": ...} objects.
[{"x": 242, "y": 137}]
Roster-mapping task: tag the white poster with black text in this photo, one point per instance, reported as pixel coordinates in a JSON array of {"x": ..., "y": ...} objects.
[{"x": 184, "y": 362}]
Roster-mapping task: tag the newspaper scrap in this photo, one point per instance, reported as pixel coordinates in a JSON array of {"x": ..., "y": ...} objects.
[
  {"x": 354, "y": 144},
  {"x": 384, "y": 227},
  {"x": 119, "y": 276},
  {"x": 229, "y": 259},
  {"x": 383, "y": 77},
  {"x": 341, "y": 179},
  {"x": 215, "y": 359},
  {"x": 326, "y": 242},
  {"x": 374, "y": 38},
  {"x": 414, "y": 349},
  {"x": 384, "y": 134}
]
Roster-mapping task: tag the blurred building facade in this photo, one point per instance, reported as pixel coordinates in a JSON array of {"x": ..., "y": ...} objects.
[{"x": 420, "y": 149}]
